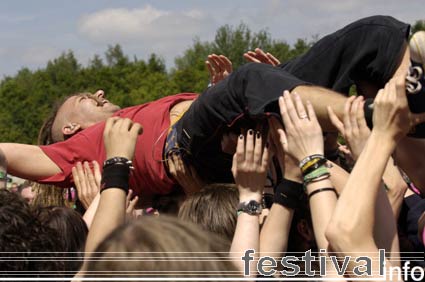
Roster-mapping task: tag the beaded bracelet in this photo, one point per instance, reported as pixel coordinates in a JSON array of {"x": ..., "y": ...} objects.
[{"x": 118, "y": 160}]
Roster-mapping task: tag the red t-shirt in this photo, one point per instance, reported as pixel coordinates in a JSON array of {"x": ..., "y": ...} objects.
[{"x": 149, "y": 176}]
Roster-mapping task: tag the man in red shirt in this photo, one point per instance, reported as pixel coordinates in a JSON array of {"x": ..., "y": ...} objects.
[{"x": 84, "y": 116}]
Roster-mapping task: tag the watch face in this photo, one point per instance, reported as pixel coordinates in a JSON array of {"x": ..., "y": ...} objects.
[{"x": 254, "y": 207}]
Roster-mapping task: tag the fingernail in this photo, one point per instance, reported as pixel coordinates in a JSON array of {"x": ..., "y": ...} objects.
[
  {"x": 241, "y": 136},
  {"x": 250, "y": 132},
  {"x": 258, "y": 134}
]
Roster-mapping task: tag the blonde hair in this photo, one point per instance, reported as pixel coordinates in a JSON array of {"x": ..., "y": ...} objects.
[
  {"x": 214, "y": 208},
  {"x": 161, "y": 246}
]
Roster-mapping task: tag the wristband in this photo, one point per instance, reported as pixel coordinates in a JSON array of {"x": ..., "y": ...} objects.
[
  {"x": 322, "y": 190},
  {"x": 313, "y": 167},
  {"x": 289, "y": 194},
  {"x": 309, "y": 158},
  {"x": 118, "y": 160},
  {"x": 115, "y": 176},
  {"x": 316, "y": 174},
  {"x": 309, "y": 164}
]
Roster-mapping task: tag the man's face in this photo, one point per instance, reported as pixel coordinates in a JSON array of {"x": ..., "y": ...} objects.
[{"x": 87, "y": 109}]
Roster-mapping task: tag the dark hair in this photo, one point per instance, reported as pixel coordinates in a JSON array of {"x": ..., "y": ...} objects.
[
  {"x": 45, "y": 135},
  {"x": 24, "y": 238},
  {"x": 47, "y": 194},
  {"x": 159, "y": 240},
  {"x": 72, "y": 232},
  {"x": 302, "y": 215},
  {"x": 214, "y": 208},
  {"x": 170, "y": 203}
]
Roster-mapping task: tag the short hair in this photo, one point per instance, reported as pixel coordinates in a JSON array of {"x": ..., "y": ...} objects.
[
  {"x": 72, "y": 231},
  {"x": 47, "y": 134},
  {"x": 23, "y": 237},
  {"x": 159, "y": 240},
  {"x": 214, "y": 208}
]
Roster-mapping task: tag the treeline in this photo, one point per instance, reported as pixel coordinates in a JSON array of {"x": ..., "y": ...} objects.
[{"x": 27, "y": 97}]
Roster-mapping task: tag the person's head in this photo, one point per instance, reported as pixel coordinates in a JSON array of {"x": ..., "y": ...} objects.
[
  {"x": 71, "y": 228},
  {"x": 214, "y": 208},
  {"x": 160, "y": 240},
  {"x": 14, "y": 187},
  {"x": 26, "y": 191},
  {"x": 75, "y": 113},
  {"x": 24, "y": 238}
]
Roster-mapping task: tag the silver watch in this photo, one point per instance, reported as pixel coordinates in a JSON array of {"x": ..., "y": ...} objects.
[{"x": 252, "y": 207}]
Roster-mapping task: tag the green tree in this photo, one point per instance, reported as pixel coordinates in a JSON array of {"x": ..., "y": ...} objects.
[
  {"x": 27, "y": 97},
  {"x": 418, "y": 25}
]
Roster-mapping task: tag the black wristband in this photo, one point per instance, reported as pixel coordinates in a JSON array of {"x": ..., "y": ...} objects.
[
  {"x": 115, "y": 176},
  {"x": 322, "y": 190},
  {"x": 289, "y": 193}
]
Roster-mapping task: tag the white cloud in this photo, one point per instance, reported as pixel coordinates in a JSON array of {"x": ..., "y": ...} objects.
[
  {"x": 141, "y": 24},
  {"x": 146, "y": 30}
]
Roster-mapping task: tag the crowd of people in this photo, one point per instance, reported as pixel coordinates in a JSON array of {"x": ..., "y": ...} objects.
[{"x": 273, "y": 162}]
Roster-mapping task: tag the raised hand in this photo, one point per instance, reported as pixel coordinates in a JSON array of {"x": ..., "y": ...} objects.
[
  {"x": 391, "y": 116},
  {"x": 249, "y": 166},
  {"x": 87, "y": 182},
  {"x": 120, "y": 136},
  {"x": 259, "y": 56},
  {"x": 130, "y": 203},
  {"x": 353, "y": 127},
  {"x": 219, "y": 67},
  {"x": 302, "y": 130},
  {"x": 184, "y": 174}
]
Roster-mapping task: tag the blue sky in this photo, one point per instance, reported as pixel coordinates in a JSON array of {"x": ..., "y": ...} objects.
[{"x": 33, "y": 32}]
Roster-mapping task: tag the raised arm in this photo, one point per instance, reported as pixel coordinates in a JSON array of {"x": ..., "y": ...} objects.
[
  {"x": 392, "y": 120},
  {"x": 120, "y": 136},
  {"x": 356, "y": 133},
  {"x": 304, "y": 140},
  {"x": 249, "y": 170}
]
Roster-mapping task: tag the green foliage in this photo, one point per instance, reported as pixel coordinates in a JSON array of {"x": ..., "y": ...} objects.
[
  {"x": 418, "y": 25},
  {"x": 27, "y": 97}
]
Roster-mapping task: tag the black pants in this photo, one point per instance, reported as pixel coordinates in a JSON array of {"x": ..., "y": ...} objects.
[
  {"x": 243, "y": 97},
  {"x": 368, "y": 49}
]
